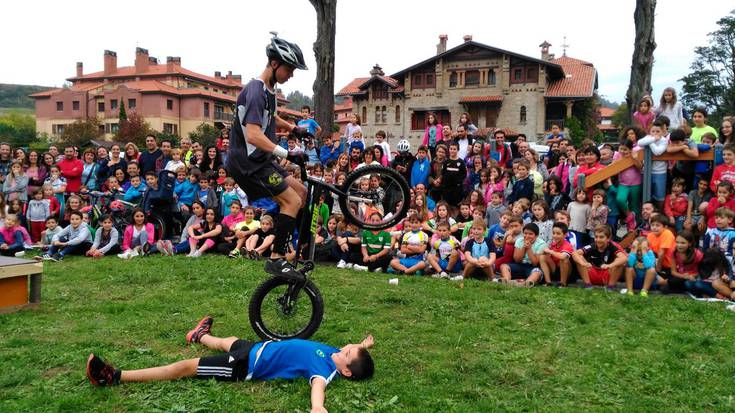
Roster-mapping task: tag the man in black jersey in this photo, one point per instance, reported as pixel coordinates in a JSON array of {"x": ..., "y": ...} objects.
[{"x": 251, "y": 159}]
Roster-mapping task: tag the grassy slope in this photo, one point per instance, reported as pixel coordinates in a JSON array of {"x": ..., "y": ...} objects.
[{"x": 439, "y": 347}]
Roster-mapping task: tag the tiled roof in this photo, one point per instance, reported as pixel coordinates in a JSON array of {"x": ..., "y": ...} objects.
[
  {"x": 352, "y": 87},
  {"x": 74, "y": 88},
  {"x": 346, "y": 105},
  {"x": 283, "y": 109},
  {"x": 606, "y": 112},
  {"x": 157, "y": 70},
  {"x": 580, "y": 79},
  {"x": 481, "y": 99}
]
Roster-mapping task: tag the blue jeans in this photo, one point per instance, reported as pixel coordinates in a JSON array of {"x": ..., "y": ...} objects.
[
  {"x": 140, "y": 240},
  {"x": 658, "y": 186},
  {"x": 79, "y": 249},
  {"x": 700, "y": 287}
]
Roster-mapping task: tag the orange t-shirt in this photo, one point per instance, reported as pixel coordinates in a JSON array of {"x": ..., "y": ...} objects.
[{"x": 664, "y": 241}]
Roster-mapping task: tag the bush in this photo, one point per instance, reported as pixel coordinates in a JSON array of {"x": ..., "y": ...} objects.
[
  {"x": 205, "y": 134},
  {"x": 17, "y": 128},
  {"x": 134, "y": 129},
  {"x": 81, "y": 131}
]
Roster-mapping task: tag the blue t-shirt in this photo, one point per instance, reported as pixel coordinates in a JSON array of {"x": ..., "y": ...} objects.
[
  {"x": 309, "y": 124},
  {"x": 478, "y": 249},
  {"x": 290, "y": 359},
  {"x": 496, "y": 238}
]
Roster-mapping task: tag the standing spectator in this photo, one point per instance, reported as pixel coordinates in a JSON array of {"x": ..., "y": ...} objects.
[
  {"x": 403, "y": 162},
  {"x": 71, "y": 169},
  {"x": 224, "y": 150},
  {"x": 432, "y": 133},
  {"x": 108, "y": 166},
  {"x": 556, "y": 134},
  {"x": 90, "y": 169},
  {"x": 35, "y": 171},
  {"x": 352, "y": 127},
  {"x": 166, "y": 148},
  {"x": 5, "y": 160},
  {"x": 186, "y": 151},
  {"x": 380, "y": 141},
  {"x": 54, "y": 151},
  {"x": 308, "y": 123},
  {"x": 16, "y": 184},
  {"x": 727, "y": 134},
  {"x": 644, "y": 116},
  {"x": 658, "y": 141},
  {"x": 149, "y": 157},
  {"x": 463, "y": 142},
  {"x": 503, "y": 154},
  {"x": 421, "y": 167},
  {"x": 671, "y": 108},
  {"x": 453, "y": 174},
  {"x": 699, "y": 116},
  {"x": 212, "y": 160},
  {"x": 437, "y": 163},
  {"x": 131, "y": 152},
  {"x": 465, "y": 120}
]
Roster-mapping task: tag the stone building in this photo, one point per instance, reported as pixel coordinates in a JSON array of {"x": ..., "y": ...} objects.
[
  {"x": 171, "y": 98},
  {"x": 498, "y": 88}
]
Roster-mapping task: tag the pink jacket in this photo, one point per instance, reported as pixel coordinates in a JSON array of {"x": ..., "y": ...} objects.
[
  {"x": 439, "y": 135},
  {"x": 128, "y": 235}
]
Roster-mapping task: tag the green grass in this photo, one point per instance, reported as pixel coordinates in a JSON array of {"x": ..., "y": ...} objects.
[{"x": 439, "y": 347}]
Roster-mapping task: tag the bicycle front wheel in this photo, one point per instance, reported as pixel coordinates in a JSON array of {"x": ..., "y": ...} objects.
[
  {"x": 371, "y": 189},
  {"x": 275, "y": 315}
]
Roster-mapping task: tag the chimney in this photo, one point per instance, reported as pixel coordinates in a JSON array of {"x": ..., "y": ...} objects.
[
  {"x": 377, "y": 71},
  {"x": 110, "y": 62},
  {"x": 80, "y": 69},
  {"x": 467, "y": 38},
  {"x": 173, "y": 63},
  {"x": 218, "y": 74},
  {"x": 141, "y": 60},
  {"x": 442, "y": 46},
  {"x": 152, "y": 61},
  {"x": 545, "y": 50},
  {"x": 237, "y": 78}
]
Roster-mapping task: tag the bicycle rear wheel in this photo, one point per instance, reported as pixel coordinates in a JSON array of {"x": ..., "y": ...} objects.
[
  {"x": 371, "y": 189},
  {"x": 275, "y": 316}
]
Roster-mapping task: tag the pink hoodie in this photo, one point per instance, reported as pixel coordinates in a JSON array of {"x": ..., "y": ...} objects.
[
  {"x": 128, "y": 235},
  {"x": 439, "y": 135}
]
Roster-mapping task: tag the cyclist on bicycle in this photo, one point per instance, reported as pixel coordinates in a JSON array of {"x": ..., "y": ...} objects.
[{"x": 253, "y": 148}]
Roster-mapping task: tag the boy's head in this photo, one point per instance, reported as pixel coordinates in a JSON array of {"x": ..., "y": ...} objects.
[
  {"x": 380, "y": 135},
  {"x": 203, "y": 182},
  {"x": 464, "y": 208},
  {"x": 724, "y": 217},
  {"x": 305, "y": 112},
  {"x": 562, "y": 216},
  {"x": 51, "y": 223},
  {"x": 75, "y": 218},
  {"x": 354, "y": 362},
  {"x": 677, "y": 135},
  {"x": 677, "y": 185},
  {"x": 235, "y": 207},
  {"x": 478, "y": 213},
  {"x": 442, "y": 229},
  {"x": 478, "y": 227},
  {"x": 559, "y": 232},
  {"x": 422, "y": 152},
  {"x": 414, "y": 221},
  {"x": 135, "y": 181},
  {"x": 709, "y": 138},
  {"x": 522, "y": 168},
  {"x": 496, "y": 198},
  {"x": 658, "y": 128},
  {"x": 515, "y": 225},
  {"x": 728, "y": 154},
  {"x": 194, "y": 175},
  {"x": 603, "y": 232},
  {"x": 530, "y": 232},
  {"x": 658, "y": 223},
  {"x": 151, "y": 179},
  {"x": 505, "y": 219},
  {"x": 724, "y": 189}
]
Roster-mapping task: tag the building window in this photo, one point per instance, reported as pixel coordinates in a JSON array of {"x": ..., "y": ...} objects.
[
  {"x": 114, "y": 127},
  {"x": 380, "y": 91},
  {"x": 168, "y": 128},
  {"x": 377, "y": 114},
  {"x": 100, "y": 106},
  {"x": 418, "y": 119},
  {"x": 169, "y": 104},
  {"x": 59, "y": 106},
  {"x": 531, "y": 75},
  {"x": 206, "y": 109},
  {"x": 75, "y": 105},
  {"x": 132, "y": 103},
  {"x": 113, "y": 104},
  {"x": 491, "y": 77},
  {"x": 453, "y": 79},
  {"x": 219, "y": 112},
  {"x": 383, "y": 115},
  {"x": 429, "y": 80},
  {"x": 523, "y": 114},
  {"x": 364, "y": 115},
  {"x": 417, "y": 81},
  {"x": 57, "y": 129},
  {"x": 518, "y": 75},
  {"x": 472, "y": 78},
  {"x": 102, "y": 129},
  {"x": 398, "y": 114}
]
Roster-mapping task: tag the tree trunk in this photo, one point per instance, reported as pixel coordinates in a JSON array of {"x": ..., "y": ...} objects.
[
  {"x": 645, "y": 43},
  {"x": 326, "y": 17}
]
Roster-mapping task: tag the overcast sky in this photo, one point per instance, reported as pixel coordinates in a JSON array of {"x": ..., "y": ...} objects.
[{"x": 42, "y": 40}]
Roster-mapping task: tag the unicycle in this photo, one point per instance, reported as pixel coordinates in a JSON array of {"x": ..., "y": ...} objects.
[{"x": 281, "y": 308}]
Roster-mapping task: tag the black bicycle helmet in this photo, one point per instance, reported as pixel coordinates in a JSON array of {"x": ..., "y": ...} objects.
[{"x": 285, "y": 52}]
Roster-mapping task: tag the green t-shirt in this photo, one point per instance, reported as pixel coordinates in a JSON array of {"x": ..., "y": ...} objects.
[
  {"x": 466, "y": 231},
  {"x": 374, "y": 243},
  {"x": 698, "y": 132}
]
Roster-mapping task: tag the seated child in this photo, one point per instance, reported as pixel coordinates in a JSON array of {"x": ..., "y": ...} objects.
[
  {"x": 348, "y": 248},
  {"x": 640, "y": 273},
  {"x": 105, "y": 239},
  {"x": 479, "y": 253},
  {"x": 723, "y": 198},
  {"x": 716, "y": 267},
  {"x": 261, "y": 242},
  {"x": 375, "y": 248},
  {"x": 602, "y": 262},
  {"x": 464, "y": 218},
  {"x": 204, "y": 235},
  {"x": 52, "y": 228},
  {"x": 722, "y": 236},
  {"x": 556, "y": 260},
  {"x": 685, "y": 266},
  {"x": 413, "y": 245},
  {"x": 75, "y": 239},
  {"x": 676, "y": 203},
  {"x": 186, "y": 190},
  {"x": 138, "y": 236},
  {"x": 11, "y": 237},
  {"x": 269, "y": 360},
  {"x": 135, "y": 193},
  {"x": 241, "y": 231},
  {"x": 206, "y": 195},
  {"x": 662, "y": 242},
  {"x": 527, "y": 253},
  {"x": 444, "y": 256}
]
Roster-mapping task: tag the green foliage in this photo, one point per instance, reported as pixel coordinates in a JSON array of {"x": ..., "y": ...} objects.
[
  {"x": 17, "y": 128},
  {"x": 712, "y": 81},
  {"x": 205, "y": 134},
  {"x": 439, "y": 346},
  {"x": 621, "y": 117},
  {"x": 297, "y": 100},
  {"x": 16, "y": 96},
  {"x": 605, "y": 103},
  {"x": 161, "y": 136},
  {"x": 576, "y": 132},
  {"x": 81, "y": 131},
  {"x": 122, "y": 115},
  {"x": 134, "y": 129}
]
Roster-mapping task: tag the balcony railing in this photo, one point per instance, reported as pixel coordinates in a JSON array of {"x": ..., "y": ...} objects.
[{"x": 223, "y": 116}]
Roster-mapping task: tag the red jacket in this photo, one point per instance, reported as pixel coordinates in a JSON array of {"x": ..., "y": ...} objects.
[
  {"x": 722, "y": 173},
  {"x": 677, "y": 207},
  {"x": 712, "y": 207},
  {"x": 72, "y": 171}
]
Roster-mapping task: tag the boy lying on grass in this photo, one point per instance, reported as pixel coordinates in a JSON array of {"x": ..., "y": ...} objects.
[{"x": 244, "y": 360}]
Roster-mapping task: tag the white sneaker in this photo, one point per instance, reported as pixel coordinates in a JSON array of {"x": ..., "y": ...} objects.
[
  {"x": 196, "y": 254},
  {"x": 125, "y": 255},
  {"x": 359, "y": 267},
  {"x": 436, "y": 275},
  {"x": 624, "y": 291},
  {"x": 378, "y": 270},
  {"x": 133, "y": 253},
  {"x": 341, "y": 264},
  {"x": 457, "y": 278},
  {"x": 20, "y": 254},
  {"x": 443, "y": 275}
]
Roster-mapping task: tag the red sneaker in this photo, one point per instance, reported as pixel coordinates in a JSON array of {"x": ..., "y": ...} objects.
[
  {"x": 202, "y": 328},
  {"x": 101, "y": 373}
]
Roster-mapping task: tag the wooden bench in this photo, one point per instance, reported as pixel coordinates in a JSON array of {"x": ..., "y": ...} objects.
[{"x": 16, "y": 276}]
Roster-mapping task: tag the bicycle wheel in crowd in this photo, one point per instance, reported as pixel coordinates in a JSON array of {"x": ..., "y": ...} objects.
[
  {"x": 375, "y": 188},
  {"x": 274, "y": 315}
]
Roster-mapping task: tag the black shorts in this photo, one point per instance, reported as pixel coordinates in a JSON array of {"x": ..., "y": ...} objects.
[
  {"x": 230, "y": 366},
  {"x": 267, "y": 180}
]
